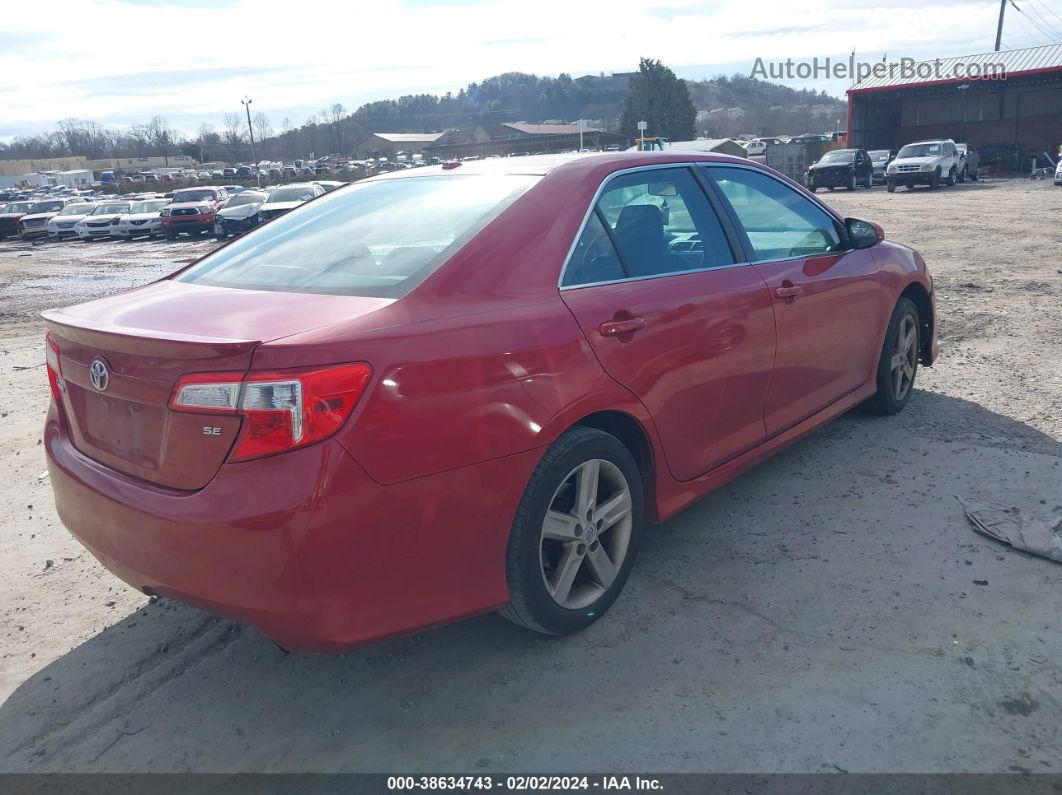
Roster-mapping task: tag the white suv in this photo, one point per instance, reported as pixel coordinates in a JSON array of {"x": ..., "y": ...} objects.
[{"x": 924, "y": 163}]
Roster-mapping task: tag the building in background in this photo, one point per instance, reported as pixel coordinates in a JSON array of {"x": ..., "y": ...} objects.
[
  {"x": 1011, "y": 121},
  {"x": 390, "y": 143}
]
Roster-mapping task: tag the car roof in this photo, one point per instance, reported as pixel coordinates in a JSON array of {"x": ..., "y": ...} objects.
[{"x": 540, "y": 165}]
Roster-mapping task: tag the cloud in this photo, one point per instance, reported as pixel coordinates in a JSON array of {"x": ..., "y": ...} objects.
[{"x": 121, "y": 60}]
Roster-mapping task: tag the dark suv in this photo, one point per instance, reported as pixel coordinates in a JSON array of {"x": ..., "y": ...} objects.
[{"x": 841, "y": 168}]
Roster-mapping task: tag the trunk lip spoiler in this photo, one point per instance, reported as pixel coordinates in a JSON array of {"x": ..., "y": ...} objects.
[{"x": 129, "y": 339}]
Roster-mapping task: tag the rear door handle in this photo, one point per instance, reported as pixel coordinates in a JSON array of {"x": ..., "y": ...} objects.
[
  {"x": 613, "y": 328},
  {"x": 787, "y": 291}
]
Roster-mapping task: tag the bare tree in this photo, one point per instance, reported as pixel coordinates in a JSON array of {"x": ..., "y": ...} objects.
[
  {"x": 233, "y": 133},
  {"x": 263, "y": 130},
  {"x": 162, "y": 138},
  {"x": 335, "y": 116}
]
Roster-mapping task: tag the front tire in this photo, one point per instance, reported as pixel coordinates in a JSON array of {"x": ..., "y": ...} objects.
[
  {"x": 170, "y": 234},
  {"x": 934, "y": 181},
  {"x": 575, "y": 535},
  {"x": 898, "y": 365},
  {"x": 890, "y": 186}
]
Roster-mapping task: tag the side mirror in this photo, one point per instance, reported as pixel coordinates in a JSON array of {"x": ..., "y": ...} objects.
[{"x": 863, "y": 234}]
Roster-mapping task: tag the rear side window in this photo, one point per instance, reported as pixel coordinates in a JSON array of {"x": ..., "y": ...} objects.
[
  {"x": 779, "y": 222},
  {"x": 648, "y": 223},
  {"x": 374, "y": 239}
]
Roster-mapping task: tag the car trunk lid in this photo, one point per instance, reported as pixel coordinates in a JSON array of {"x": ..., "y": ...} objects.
[{"x": 143, "y": 342}]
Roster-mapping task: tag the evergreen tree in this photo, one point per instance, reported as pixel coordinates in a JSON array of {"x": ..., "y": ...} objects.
[{"x": 656, "y": 96}]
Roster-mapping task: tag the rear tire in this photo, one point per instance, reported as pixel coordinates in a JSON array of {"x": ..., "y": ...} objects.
[
  {"x": 563, "y": 574},
  {"x": 852, "y": 183},
  {"x": 170, "y": 235},
  {"x": 953, "y": 177},
  {"x": 898, "y": 365}
]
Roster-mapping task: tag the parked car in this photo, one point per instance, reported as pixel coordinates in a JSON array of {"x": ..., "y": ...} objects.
[
  {"x": 754, "y": 147},
  {"x": 288, "y": 197},
  {"x": 239, "y": 214},
  {"x": 245, "y": 172},
  {"x": 477, "y": 389},
  {"x": 1058, "y": 181},
  {"x": 841, "y": 168},
  {"x": 217, "y": 174},
  {"x": 290, "y": 172},
  {"x": 969, "y": 163},
  {"x": 232, "y": 190},
  {"x": 203, "y": 175},
  {"x": 64, "y": 224},
  {"x": 10, "y": 214},
  {"x": 880, "y": 159},
  {"x": 192, "y": 211},
  {"x": 102, "y": 221},
  {"x": 35, "y": 222},
  {"x": 144, "y": 219},
  {"x": 924, "y": 163},
  {"x": 228, "y": 173}
]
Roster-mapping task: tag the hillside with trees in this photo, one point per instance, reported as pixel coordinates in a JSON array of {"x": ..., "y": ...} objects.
[{"x": 765, "y": 108}]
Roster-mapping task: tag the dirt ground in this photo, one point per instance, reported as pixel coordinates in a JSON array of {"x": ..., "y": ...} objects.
[{"x": 829, "y": 610}]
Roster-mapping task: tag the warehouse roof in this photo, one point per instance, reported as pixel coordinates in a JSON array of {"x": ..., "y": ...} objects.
[
  {"x": 547, "y": 129},
  {"x": 1012, "y": 62},
  {"x": 398, "y": 138}
]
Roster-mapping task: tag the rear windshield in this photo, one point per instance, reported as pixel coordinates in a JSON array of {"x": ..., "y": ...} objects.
[
  {"x": 374, "y": 239},
  {"x": 839, "y": 156}
]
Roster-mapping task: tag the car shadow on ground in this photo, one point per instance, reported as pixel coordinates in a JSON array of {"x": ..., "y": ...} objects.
[{"x": 798, "y": 591}]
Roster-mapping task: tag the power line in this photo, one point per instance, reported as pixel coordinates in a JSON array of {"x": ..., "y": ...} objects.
[
  {"x": 1025, "y": 18},
  {"x": 1048, "y": 9},
  {"x": 1047, "y": 25}
]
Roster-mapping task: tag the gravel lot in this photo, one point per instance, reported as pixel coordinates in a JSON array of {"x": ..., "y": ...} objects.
[{"x": 830, "y": 610}]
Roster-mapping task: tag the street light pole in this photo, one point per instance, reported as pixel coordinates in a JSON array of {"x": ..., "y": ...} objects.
[{"x": 246, "y": 102}]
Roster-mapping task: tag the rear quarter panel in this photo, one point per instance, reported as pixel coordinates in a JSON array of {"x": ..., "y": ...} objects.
[{"x": 455, "y": 391}]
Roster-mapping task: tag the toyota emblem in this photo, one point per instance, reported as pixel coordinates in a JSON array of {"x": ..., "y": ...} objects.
[{"x": 99, "y": 374}]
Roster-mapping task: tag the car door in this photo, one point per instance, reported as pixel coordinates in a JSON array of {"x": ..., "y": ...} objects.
[
  {"x": 864, "y": 168},
  {"x": 828, "y": 300},
  {"x": 672, "y": 312}
]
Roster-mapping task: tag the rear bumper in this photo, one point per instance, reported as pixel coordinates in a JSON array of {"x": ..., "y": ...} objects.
[{"x": 304, "y": 545}]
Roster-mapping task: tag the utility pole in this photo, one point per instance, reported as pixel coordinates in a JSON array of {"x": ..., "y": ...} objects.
[
  {"x": 246, "y": 102},
  {"x": 999, "y": 27}
]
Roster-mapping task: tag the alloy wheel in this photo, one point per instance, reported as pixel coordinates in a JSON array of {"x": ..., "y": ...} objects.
[
  {"x": 904, "y": 358},
  {"x": 585, "y": 534}
]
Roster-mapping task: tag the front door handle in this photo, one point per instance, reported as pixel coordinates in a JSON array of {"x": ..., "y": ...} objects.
[
  {"x": 788, "y": 291},
  {"x": 613, "y": 328}
]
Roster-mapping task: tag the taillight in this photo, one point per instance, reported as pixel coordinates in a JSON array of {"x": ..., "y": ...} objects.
[
  {"x": 55, "y": 368},
  {"x": 281, "y": 410}
]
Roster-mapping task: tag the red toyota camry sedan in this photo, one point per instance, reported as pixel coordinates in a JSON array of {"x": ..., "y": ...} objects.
[{"x": 451, "y": 390}]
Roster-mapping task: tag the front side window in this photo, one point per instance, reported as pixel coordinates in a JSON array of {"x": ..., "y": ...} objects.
[
  {"x": 374, "y": 239},
  {"x": 778, "y": 221}
]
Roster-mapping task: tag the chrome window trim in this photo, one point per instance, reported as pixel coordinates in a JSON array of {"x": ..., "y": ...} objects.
[{"x": 590, "y": 211}]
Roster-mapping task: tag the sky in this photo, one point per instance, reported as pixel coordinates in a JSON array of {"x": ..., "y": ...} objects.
[{"x": 120, "y": 62}]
